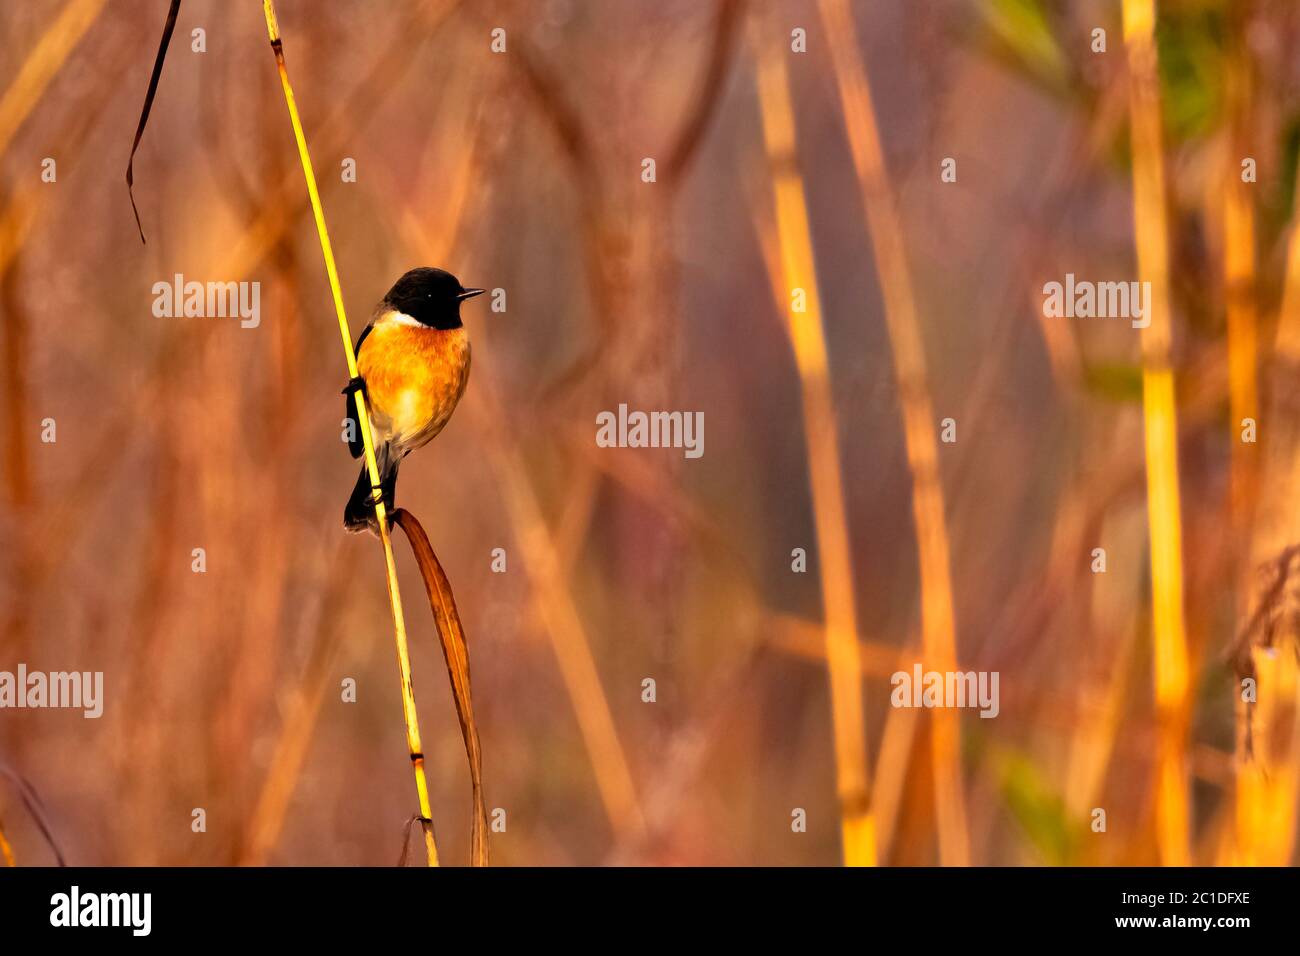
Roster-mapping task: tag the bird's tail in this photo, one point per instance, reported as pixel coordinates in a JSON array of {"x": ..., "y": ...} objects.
[{"x": 359, "y": 515}]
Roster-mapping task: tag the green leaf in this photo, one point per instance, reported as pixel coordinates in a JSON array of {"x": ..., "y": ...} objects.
[{"x": 1189, "y": 39}]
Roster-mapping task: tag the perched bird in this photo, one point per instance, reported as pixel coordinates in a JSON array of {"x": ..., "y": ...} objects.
[{"x": 413, "y": 363}]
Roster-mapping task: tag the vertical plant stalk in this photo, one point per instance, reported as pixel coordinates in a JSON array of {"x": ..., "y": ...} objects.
[
  {"x": 1267, "y": 783},
  {"x": 372, "y": 467},
  {"x": 938, "y": 627},
  {"x": 25, "y": 577},
  {"x": 563, "y": 624},
  {"x": 1243, "y": 394},
  {"x": 807, "y": 339},
  {"x": 14, "y": 355},
  {"x": 262, "y": 830},
  {"x": 17, "y": 218},
  {"x": 1161, "y": 426},
  {"x": 893, "y": 760},
  {"x": 1239, "y": 274}
]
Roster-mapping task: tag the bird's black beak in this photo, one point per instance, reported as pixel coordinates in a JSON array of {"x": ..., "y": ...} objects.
[{"x": 469, "y": 294}]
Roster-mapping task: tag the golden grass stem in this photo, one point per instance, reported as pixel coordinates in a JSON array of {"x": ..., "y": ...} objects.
[
  {"x": 807, "y": 339},
  {"x": 938, "y": 627},
  {"x": 381, "y": 515},
  {"x": 1172, "y": 679}
]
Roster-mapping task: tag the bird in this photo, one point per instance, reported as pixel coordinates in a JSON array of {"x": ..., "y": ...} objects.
[{"x": 412, "y": 366}]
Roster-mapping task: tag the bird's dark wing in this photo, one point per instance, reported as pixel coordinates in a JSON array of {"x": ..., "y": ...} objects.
[{"x": 355, "y": 445}]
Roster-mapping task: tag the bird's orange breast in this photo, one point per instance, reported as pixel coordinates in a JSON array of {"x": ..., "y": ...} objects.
[{"x": 415, "y": 375}]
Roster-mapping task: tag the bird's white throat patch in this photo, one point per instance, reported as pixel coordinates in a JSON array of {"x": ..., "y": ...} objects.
[{"x": 400, "y": 318}]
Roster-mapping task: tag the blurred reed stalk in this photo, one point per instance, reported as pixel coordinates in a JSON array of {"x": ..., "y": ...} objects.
[
  {"x": 414, "y": 746},
  {"x": 1172, "y": 680},
  {"x": 43, "y": 64},
  {"x": 16, "y": 221},
  {"x": 1268, "y": 780},
  {"x": 563, "y": 623},
  {"x": 893, "y": 760},
  {"x": 14, "y": 358},
  {"x": 1243, "y": 390},
  {"x": 31, "y": 539},
  {"x": 250, "y": 678},
  {"x": 808, "y": 342},
  {"x": 1239, "y": 274},
  {"x": 938, "y": 629},
  {"x": 263, "y": 828}
]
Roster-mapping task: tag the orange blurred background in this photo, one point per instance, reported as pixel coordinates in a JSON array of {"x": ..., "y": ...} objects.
[{"x": 523, "y": 171}]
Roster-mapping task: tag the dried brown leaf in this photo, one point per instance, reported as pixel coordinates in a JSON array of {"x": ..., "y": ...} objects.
[{"x": 456, "y": 652}]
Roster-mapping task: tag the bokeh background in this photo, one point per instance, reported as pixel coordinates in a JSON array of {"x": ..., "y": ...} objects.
[{"x": 522, "y": 171}]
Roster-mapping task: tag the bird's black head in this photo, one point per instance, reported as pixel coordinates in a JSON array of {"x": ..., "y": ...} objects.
[{"x": 430, "y": 296}]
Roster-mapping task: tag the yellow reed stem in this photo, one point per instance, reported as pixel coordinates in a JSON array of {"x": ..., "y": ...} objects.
[
  {"x": 43, "y": 63},
  {"x": 1161, "y": 421},
  {"x": 372, "y": 467},
  {"x": 938, "y": 627},
  {"x": 898, "y": 737},
  {"x": 807, "y": 339}
]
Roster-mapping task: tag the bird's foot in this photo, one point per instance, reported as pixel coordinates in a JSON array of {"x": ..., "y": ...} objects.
[{"x": 378, "y": 494}]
